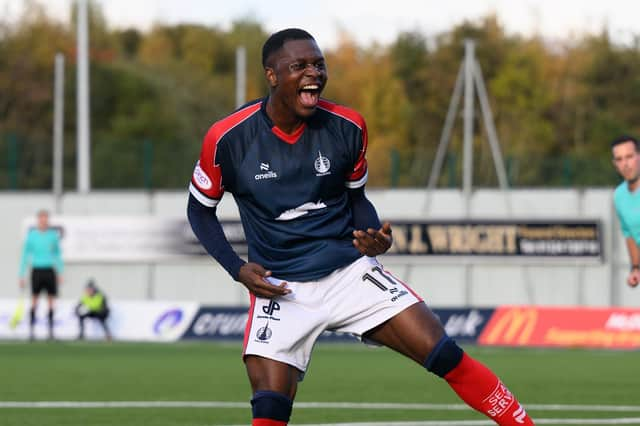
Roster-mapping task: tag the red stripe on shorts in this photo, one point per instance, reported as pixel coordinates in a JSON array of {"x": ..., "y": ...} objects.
[
  {"x": 247, "y": 328},
  {"x": 417, "y": 296}
]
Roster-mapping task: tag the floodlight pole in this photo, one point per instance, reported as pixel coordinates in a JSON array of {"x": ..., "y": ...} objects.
[
  {"x": 241, "y": 76},
  {"x": 83, "y": 129},
  {"x": 445, "y": 137},
  {"x": 58, "y": 126},
  {"x": 492, "y": 135},
  {"x": 469, "y": 77},
  {"x": 467, "y": 152}
]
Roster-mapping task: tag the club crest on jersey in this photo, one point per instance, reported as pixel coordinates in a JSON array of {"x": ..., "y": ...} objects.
[
  {"x": 267, "y": 173},
  {"x": 322, "y": 165}
]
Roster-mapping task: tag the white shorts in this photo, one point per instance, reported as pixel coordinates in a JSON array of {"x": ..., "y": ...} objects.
[{"x": 353, "y": 299}]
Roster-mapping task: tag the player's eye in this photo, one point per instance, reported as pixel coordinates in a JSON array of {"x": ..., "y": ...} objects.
[
  {"x": 320, "y": 66},
  {"x": 297, "y": 66},
  {"x": 301, "y": 66}
]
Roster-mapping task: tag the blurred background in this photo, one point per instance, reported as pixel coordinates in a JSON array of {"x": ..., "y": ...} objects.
[
  {"x": 489, "y": 125},
  {"x": 558, "y": 80},
  {"x": 561, "y": 79}
]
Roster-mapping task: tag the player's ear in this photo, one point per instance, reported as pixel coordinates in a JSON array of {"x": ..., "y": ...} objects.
[{"x": 271, "y": 76}]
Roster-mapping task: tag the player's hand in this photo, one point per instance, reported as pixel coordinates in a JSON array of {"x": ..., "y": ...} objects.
[
  {"x": 373, "y": 242},
  {"x": 634, "y": 278},
  {"x": 59, "y": 279},
  {"x": 252, "y": 276}
]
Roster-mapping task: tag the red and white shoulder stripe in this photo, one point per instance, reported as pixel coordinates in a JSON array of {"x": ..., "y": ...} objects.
[
  {"x": 206, "y": 182},
  {"x": 358, "y": 177}
]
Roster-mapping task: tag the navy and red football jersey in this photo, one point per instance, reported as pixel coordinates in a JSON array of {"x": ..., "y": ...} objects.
[{"x": 290, "y": 189}]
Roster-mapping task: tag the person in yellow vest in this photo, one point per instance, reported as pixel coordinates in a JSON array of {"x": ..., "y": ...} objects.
[{"x": 93, "y": 304}]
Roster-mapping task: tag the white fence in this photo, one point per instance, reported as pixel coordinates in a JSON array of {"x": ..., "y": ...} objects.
[{"x": 443, "y": 283}]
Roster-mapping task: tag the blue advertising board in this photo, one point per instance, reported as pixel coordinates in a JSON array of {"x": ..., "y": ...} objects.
[{"x": 228, "y": 323}]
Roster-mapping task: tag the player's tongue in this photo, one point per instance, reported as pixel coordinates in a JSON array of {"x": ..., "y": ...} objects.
[{"x": 309, "y": 98}]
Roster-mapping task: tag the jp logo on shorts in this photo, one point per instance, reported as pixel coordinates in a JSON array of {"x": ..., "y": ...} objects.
[
  {"x": 271, "y": 308},
  {"x": 264, "y": 333}
]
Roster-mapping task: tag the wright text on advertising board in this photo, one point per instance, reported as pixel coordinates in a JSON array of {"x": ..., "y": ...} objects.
[
  {"x": 580, "y": 239},
  {"x": 148, "y": 238}
]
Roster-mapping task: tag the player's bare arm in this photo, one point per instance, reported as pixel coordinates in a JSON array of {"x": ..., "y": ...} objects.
[
  {"x": 252, "y": 276},
  {"x": 373, "y": 242}
]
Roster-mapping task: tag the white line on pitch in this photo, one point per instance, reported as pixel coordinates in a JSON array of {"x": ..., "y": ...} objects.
[
  {"x": 298, "y": 405},
  {"x": 348, "y": 405},
  {"x": 123, "y": 404}
]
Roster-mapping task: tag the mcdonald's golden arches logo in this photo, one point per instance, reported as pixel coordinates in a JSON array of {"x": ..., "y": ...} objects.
[{"x": 510, "y": 326}]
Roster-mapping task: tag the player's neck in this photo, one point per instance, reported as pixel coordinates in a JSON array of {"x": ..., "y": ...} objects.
[
  {"x": 633, "y": 184},
  {"x": 282, "y": 118}
]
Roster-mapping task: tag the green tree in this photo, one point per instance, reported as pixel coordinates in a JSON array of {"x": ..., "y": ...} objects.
[
  {"x": 521, "y": 99},
  {"x": 155, "y": 93},
  {"x": 410, "y": 60},
  {"x": 385, "y": 107},
  {"x": 26, "y": 73}
]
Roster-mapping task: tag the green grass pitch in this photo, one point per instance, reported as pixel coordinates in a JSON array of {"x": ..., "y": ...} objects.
[{"x": 206, "y": 384}]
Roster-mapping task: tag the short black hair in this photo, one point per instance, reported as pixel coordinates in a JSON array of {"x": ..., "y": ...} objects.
[
  {"x": 277, "y": 40},
  {"x": 624, "y": 139}
]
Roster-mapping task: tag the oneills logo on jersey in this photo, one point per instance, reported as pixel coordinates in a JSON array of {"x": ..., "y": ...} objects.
[
  {"x": 322, "y": 165},
  {"x": 267, "y": 173}
]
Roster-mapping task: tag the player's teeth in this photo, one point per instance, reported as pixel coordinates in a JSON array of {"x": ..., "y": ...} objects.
[{"x": 310, "y": 87}]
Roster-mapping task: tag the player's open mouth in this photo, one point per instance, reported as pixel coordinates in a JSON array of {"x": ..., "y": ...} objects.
[{"x": 309, "y": 95}]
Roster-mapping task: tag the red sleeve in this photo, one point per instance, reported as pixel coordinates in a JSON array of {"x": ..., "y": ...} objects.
[
  {"x": 359, "y": 175},
  {"x": 206, "y": 180}
]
